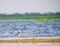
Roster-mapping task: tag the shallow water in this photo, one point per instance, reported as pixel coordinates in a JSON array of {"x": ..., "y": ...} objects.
[
  {"x": 30, "y": 28},
  {"x": 29, "y": 44}
]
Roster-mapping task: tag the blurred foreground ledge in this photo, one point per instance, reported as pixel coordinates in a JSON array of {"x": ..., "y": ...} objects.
[{"x": 30, "y": 40}]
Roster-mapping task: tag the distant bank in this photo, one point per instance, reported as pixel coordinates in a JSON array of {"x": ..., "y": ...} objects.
[{"x": 30, "y": 17}]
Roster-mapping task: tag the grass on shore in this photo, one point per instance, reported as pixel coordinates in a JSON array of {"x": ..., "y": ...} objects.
[{"x": 29, "y": 18}]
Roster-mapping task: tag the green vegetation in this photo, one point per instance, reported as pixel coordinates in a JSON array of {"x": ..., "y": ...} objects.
[{"x": 30, "y": 16}]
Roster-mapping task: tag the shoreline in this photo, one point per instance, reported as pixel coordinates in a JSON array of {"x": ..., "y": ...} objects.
[{"x": 31, "y": 40}]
